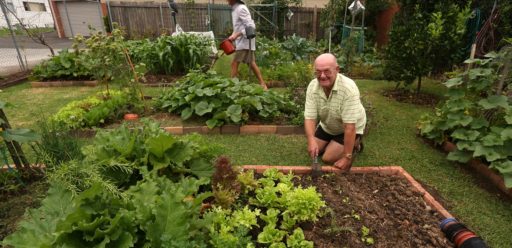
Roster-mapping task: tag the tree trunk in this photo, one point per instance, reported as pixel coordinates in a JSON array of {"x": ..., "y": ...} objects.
[{"x": 419, "y": 87}]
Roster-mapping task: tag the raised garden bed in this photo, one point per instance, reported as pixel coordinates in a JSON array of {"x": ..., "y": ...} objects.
[
  {"x": 13, "y": 79},
  {"x": 64, "y": 83},
  {"x": 226, "y": 129},
  {"x": 482, "y": 169},
  {"x": 234, "y": 129},
  {"x": 91, "y": 83},
  {"x": 383, "y": 205}
]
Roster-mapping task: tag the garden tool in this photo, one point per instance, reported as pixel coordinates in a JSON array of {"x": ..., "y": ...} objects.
[{"x": 316, "y": 168}]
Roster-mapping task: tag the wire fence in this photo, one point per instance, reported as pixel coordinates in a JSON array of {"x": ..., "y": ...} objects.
[
  {"x": 20, "y": 51},
  {"x": 151, "y": 19},
  {"x": 21, "y": 33}
]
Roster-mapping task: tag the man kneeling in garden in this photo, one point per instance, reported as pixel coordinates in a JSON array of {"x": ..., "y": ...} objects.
[{"x": 333, "y": 100}]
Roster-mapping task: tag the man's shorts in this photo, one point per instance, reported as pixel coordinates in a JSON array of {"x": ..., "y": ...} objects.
[
  {"x": 244, "y": 56},
  {"x": 323, "y": 135}
]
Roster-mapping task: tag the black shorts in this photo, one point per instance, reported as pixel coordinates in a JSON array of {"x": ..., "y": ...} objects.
[{"x": 323, "y": 135}]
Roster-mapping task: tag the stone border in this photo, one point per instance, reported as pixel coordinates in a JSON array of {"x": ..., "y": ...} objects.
[
  {"x": 235, "y": 129},
  {"x": 480, "y": 167},
  {"x": 64, "y": 83},
  {"x": 383, "y": 170}
]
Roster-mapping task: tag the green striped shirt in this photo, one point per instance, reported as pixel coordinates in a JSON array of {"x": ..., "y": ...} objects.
[{"x": 342, "y": 106}]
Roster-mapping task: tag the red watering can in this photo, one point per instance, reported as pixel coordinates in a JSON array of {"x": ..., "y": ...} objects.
[{"x": 227, "y": 46}]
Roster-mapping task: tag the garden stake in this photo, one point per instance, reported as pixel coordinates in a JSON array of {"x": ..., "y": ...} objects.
[{"x": 135, "y": 75}]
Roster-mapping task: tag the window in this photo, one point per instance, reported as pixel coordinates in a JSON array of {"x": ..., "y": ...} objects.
[{"x": 37, "y": 7}]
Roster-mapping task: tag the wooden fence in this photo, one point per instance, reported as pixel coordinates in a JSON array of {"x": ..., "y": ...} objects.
[{"x": 150, "y": 19}]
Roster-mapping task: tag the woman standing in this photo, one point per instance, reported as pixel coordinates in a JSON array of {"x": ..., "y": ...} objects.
[{"x": 244, "y": 47}]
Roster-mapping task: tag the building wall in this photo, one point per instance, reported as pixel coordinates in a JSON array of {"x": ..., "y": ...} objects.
[{"x": 37, "y": 17}]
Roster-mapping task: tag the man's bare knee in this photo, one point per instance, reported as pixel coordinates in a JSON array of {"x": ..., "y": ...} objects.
[{"x": 328, "y": 159}]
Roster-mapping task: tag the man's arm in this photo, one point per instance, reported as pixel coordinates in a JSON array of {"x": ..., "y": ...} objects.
[
  {"x": 309, "y": 128},
  {"x": 349, "y": 138}
]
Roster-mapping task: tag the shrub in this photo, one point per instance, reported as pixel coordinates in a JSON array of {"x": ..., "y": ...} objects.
[
  {"x": 66, "y": 65},
  {"x": 422, "y": 42}
]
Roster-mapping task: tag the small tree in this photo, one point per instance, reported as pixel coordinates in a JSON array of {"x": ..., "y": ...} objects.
[
  {"x": 408, "y": 55},
  {"x": 423, "y": 42}
]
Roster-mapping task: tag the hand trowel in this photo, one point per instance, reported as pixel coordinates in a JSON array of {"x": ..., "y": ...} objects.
[{"x": 316, "y": 168}]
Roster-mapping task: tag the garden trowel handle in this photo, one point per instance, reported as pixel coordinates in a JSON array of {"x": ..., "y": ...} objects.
[{"x": 316, "y": 170}]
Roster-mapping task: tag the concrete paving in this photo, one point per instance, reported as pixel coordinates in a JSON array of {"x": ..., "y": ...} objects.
[
  {"x": 9, "y": 59},
  {"x": 27, "y": 42},
  {"x": 31, "y": 52}
]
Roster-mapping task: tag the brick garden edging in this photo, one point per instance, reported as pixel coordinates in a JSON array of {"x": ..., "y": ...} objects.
[
  {"x": 64, "y": 83},
  {"x": 481, "y": 168},
  {"x": 84, "y": 83},
  {"x": 383, "y": 170},
  {"x": 235, "y": 129},
  {"x": 226, "y": 129}
]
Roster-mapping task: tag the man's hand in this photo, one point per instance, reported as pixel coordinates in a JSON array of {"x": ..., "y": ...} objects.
[
  {"x": 343, "y": 164},
  {"x": 313, "y": 148}
]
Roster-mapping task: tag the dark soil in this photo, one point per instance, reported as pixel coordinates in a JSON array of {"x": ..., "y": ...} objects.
[
  {"x": 395, "y": 214},
  {"x": 160, "y": 79},
  {"x": 423, "y": 99},
  {"x": 14, "y": 204},
  {"x": 13, "y": 79}
]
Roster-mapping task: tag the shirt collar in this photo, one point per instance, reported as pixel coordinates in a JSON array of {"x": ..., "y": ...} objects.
[{"x": 337, "y": 83}]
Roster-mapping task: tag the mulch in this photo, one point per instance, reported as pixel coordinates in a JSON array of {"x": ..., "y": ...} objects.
[{"x": 423, "y": 99}]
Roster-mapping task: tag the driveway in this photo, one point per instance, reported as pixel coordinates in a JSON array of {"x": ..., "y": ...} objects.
[
  {"x": 27, "y": 42},
  {"x": 9, "y": 58},
  {"x": 31, "y": 52}
]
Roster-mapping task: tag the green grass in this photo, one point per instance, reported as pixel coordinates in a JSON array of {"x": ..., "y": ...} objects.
[
  {"x": 392, "y": 140},
  {"x": 5, "y": 32},
  {"x": 33, "y": 104}
]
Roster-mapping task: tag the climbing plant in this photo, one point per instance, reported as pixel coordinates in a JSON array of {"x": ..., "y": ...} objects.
[{"x": 477, "y": 116}]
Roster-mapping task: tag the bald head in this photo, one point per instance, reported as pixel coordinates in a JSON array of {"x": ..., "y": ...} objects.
[
  {"x": 326, "y": 59},
  {"x": 326, "y": 70}
]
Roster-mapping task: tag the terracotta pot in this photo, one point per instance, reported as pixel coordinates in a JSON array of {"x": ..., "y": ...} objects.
[{"x": 131, "y": 117}]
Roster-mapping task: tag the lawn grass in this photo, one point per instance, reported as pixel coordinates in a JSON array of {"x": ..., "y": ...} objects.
[
  {"x": 392, "y": 140},
  {"x": 33, "y": 104},
  {"x": 5, "y": 32}
]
